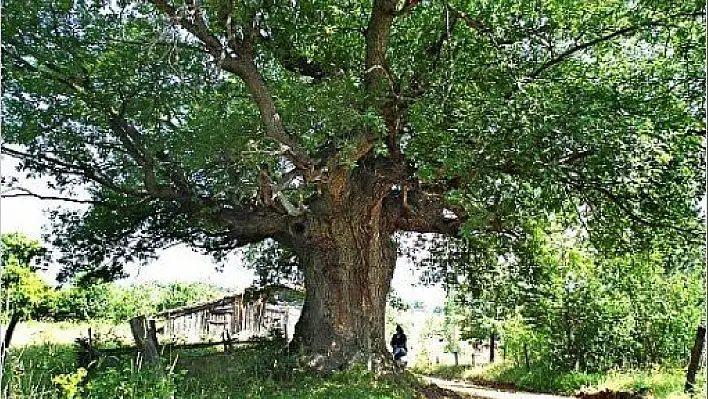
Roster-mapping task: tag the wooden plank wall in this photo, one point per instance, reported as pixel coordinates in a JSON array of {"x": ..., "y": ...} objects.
[{"x": 229, "y": 316}]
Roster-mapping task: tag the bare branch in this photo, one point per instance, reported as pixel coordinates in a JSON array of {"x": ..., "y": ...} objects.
[{"x": 23, "y": 192}]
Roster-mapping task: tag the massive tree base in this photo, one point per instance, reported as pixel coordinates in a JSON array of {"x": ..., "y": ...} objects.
[{"x": 325, "y": 364}]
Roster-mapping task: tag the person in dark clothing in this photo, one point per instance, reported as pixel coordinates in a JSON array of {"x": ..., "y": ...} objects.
[{"x": 398, "y": 343}]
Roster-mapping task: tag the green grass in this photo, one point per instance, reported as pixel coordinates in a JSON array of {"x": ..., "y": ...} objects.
[
  {"x": 664, "y": 382},
  {"x": 39, "y": 332},
  {"x": 49, "y": 371},
  {"x": 29, "y": 370}
]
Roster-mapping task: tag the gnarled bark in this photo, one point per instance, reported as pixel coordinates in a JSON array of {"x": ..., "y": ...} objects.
[{"x": 348, "y": 257}]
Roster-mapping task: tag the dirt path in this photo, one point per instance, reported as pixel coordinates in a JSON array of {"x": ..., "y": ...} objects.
[{"x": 475, "y": 391}]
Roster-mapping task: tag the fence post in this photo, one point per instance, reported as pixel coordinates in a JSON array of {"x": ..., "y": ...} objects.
[
  {"x": 695, "y": 361},
  {"x": 227, "y": 340},
  {"x": 526, "y": 356},
  {"x": 144, "y": 338},
  {"x": 492, "y": 348},
  {"x": 152, "y": 331}
]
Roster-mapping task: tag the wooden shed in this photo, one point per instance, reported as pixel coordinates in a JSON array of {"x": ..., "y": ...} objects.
[{"x": 239, "y": 317}]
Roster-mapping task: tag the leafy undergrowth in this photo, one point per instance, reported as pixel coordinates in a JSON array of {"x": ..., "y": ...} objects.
[
  {"x": 29, "y": 370},
  {"x": 664, "y": 382},
  {"x": 49, "y": 371}
]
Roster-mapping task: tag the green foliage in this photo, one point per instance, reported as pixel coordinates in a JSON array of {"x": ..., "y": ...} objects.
[
  {"x": 69, "y": 385},
  {"x": 132, "y": 379},
  {"x": 21, "y": 250},
  {"x": 28, "y": 371},
  {"x": 517, "y": 117},
  {"x": 32, "y": 298}
]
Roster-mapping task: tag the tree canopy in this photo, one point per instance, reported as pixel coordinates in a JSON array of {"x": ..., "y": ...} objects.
[{"x": 221, "y": 124}]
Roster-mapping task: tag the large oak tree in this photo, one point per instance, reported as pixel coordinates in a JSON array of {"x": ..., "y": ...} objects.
[{"x": 330, "y": 126}]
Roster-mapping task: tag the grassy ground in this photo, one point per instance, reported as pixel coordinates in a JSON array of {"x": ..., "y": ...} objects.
[
  {"x": 49, "y": 371},
  {"x": 38, "y": 332},
  {"x": 664, "y": 382}
]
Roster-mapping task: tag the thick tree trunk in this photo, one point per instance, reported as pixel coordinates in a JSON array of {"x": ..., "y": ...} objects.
[
  {"x": 348, "y": 263},
  {"x": 695, "y": 362},
  {"x": 492, "y": 347},
  {"x": 7, "y": 338}
]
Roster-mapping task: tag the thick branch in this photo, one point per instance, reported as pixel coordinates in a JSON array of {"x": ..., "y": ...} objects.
[
  {"x": 196, "y": 27},
  {"x": 249, "y": 224},
  {"x": 377, "y": 34},
  {"x": 240, "y": 62},
  {"x": 377, "y": 75},
  {"x": 422, "y": 212},
  {"x": 270, "y": 117}
]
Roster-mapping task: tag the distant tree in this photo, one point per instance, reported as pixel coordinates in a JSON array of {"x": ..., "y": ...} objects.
[
  {"x": 329, "y": 128},
  {"x": 180, "y": 294},
  {"x": 87, "y": 299},
  {"x": 579, "y": 308},
  {"x": 23, "y": 290}
]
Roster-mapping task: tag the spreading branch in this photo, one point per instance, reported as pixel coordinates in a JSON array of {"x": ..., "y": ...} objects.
[
  {"x": 585, "y": 184},
  {"x": 86, "y": 171},
  {"x": 621, "y": 32}
]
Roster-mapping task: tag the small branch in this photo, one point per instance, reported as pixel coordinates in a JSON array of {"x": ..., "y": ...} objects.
[
  {"x": 27, "y": 193},
  {"x": 408, "y": 6},
  {"x": 197, "y": 28},
  {"x": 86, "y": 171},
  {"x": 576, "y": 156},
  {"x": 624, "y": 31},
  {"x": 621, "y": 204}
]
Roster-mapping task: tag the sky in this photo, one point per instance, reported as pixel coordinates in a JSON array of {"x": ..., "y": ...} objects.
[{"x": 178, "y": 264}]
